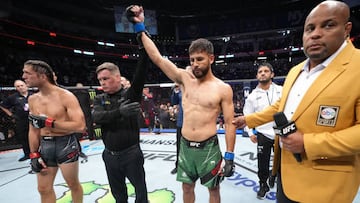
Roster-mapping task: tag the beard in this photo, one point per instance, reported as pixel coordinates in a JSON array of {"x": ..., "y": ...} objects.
[
  {"x": 265, "y": 81},
  {"x": 198, "y": 73}
]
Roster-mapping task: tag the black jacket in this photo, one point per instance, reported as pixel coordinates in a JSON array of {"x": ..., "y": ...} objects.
[
  {"x": 18, "y": 104},
  {"x": 120, "y": 132}
]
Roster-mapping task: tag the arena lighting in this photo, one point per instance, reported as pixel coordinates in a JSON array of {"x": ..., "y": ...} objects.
[
  {"x": 261, "y": 57},
  {"x": 110, "y": 44},
  {"x": 284, "y": 32},
  {"x": 77, "y": 51},
  {"x": 52, "y": 34},
  {"x": 61, "y": 34},
  {"x": 29, "y": 42},
  {"x": 167, "y": 84},
  {"x": 90, "y": 53},
  {"x": 226, "y": 39},
  {"x": 106, "y": 44},
  {"x": 226, "y": 56},
  {"x": 238, "y": 55}
]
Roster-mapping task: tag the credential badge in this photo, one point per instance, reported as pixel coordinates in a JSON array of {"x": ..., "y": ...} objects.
[{"x": 327, "y": 115}]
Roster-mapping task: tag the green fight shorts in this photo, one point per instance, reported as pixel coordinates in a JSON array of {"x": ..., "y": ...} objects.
[{"x": 199, "y": 160}]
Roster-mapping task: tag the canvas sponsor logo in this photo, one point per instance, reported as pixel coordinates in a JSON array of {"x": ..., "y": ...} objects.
[
  {"x": 245, "y": 161},
  {"x": 158, "y": 142},
  {"x": 242, "y": 181}
]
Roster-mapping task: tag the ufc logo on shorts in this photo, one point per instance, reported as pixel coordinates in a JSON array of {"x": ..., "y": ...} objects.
[{"x": 194, "y": 144}]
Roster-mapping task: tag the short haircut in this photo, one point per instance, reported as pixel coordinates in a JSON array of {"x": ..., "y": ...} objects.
[
  {"x": 201, "y": 45},
  {"x": 42, "y": 68},
  {"x": 267, "y": 65},
  {"x": 108, "y": 66}
]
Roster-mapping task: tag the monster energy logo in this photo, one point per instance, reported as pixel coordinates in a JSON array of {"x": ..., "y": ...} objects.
[
  {"x": 92, "y": 94},
  {"x": 98, "y": 133}
]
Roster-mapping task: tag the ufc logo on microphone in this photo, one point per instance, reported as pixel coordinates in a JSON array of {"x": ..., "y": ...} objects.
[{"x": 288, "y": 129}]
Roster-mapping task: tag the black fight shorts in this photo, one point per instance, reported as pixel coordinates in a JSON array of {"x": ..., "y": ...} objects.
[{"x": 56, "y": 150}]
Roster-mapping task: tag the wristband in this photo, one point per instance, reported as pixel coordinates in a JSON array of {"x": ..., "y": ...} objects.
[
  {"x": 139, "y": 27},
  {"x": 34, "y": 155},
  {"x": 229, "y": 156}
]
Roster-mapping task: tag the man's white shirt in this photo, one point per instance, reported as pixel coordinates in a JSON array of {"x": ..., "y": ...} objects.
[{"x": 257, "y": 101}]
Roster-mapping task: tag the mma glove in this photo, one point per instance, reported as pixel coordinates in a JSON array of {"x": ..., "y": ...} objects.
[
  {"x": 36, "y": 161},
  {"x": 41, "y": 121},
  {"x": 127, "y": 109},
  {"x": 130, "y": 14},
  {"x": 139, "y": 27},
  {"x": 229, "y": 167}
]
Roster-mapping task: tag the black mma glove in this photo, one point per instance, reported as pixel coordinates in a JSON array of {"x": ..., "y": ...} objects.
[
  {"x": 128, "y": 109},
  {"x": 41, "y": 121},
  {"x": 229, "y": 167},
  {"x": 130, "y": 14},
  {"x": 36, "y": 161},
  {"x": 139, "y": 27}
]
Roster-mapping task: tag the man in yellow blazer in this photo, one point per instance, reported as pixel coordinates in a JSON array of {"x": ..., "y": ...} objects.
[{"x": 322, "y": 96}]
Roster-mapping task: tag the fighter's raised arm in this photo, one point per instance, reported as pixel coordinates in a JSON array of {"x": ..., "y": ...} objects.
[
  {"x": 135, "y": 15},
  {"x": 201, "y": 108}
]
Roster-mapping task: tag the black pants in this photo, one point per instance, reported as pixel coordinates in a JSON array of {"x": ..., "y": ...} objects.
[
  {"x": 264, "y": 147},
  {"x": 22, "y": 135},
  {"x": 128, "y": 163},
  {"x": 178, "y": 136}
]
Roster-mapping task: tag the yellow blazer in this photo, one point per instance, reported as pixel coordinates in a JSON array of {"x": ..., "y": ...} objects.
[{"x": 329, "y": 117}]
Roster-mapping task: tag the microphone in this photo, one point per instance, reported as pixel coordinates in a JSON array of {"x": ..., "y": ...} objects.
[{"x": 285, "y": 128}]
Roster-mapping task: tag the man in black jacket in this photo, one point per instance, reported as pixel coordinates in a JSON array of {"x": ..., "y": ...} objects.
[
  {"x": 17, "y": 107},
  {"x": 117, "y": 111}
]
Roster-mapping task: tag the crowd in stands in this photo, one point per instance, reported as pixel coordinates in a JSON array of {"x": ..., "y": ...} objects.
[{"x": 71, "y": 68}]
